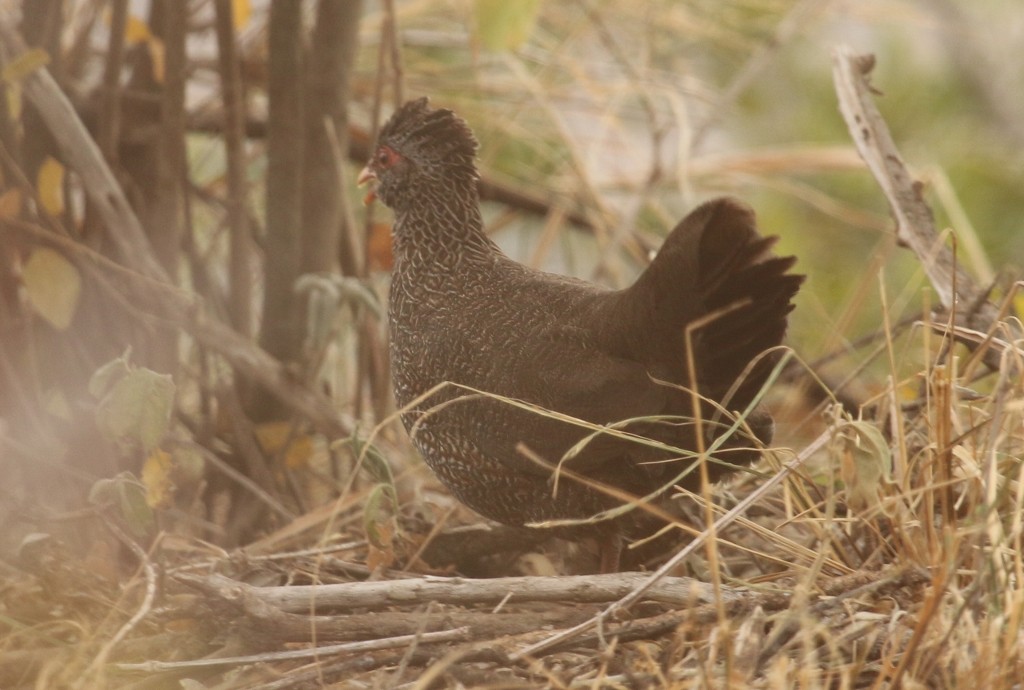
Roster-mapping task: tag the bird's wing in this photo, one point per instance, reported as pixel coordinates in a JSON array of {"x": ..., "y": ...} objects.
[{"x": 582, "y": 384}]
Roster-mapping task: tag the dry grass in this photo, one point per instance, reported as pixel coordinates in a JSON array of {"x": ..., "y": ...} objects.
[
  {"x": 891, "y": 557},
  {"x": 889, "y": 554}
]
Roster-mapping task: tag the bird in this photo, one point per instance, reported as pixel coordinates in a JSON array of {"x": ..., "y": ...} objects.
[{"x": 548, "y": 402}]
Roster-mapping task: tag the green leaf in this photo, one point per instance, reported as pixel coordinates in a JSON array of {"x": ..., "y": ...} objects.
[
  {"x": 127, "y": 494},
  {"x": 378, "y": 512},
  {"x": 136, "y": 412},
  {"x": 372, "y": 459},
  {"x": 503, "y": 25},
  {"x": 104, "y": 378}
]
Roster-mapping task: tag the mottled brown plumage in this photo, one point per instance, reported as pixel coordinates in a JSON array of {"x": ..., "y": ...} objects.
[{"x": 462, "y": 312}]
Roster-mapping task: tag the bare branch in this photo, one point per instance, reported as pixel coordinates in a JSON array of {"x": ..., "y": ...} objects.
[{"x": 915, "y": 225}]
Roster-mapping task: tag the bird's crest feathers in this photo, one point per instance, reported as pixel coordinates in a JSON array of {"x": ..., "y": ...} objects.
[{"x": 431, "y": 136}]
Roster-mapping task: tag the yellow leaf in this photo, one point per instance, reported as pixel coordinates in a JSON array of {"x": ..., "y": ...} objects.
[
  {"x": 241, "y": 10},
  {"x": 273, "y": 436},
  {"x": 12, "y": 97},
  {"x": 50, "y": 186},
  {"x": 909, "y": 392},
  {"x": 136, "y": 31},
  {"x": 53, "y": 286},
  {"x": 505, "y": 24},
  {"x": 156, "y": 477},
  {"x": 24, "y": 65},
  {"x": 10, "y": 204}
]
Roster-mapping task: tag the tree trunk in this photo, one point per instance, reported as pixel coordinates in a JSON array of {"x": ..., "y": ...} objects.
[
  {"x": 324, "y": 211},
  {"x": 282, "y": 327}
]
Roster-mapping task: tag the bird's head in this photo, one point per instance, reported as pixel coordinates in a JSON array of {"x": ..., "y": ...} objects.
[{"x": 420, "y": 150}]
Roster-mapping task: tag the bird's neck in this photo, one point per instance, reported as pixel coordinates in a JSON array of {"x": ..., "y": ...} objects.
[{"x": 442, "y": 227}]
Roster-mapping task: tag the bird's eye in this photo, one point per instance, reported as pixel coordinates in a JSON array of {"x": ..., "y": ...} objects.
[{"x": 386, "y": 157}]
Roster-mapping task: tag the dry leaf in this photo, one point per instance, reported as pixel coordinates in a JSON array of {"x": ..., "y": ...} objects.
[
  {"x": 53, "y": 286},
  {"x": 378, "y": 516},
  {"x": 13, "y": 99},
  {"x": 136, "y": 31},
  {"x": 273, "y": 436},
  {"x": 14, "y": 72},
  {"x": 24, "y": 65},
  {"x": 156, "y": 477},
  {"x": 50, "y": 186},
  {"x": 241, "y": 10}
]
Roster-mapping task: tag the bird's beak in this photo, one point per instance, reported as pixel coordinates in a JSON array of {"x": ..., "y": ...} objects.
[{"x": 367, "y": 176}]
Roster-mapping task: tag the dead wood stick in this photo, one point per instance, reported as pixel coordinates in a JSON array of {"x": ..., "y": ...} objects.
[
  {"x": 480, "y": 624},
  {"x": 454, "y": 590},
  {"x": 915, "y": 226},
  {"x": 272, "y": 628}
]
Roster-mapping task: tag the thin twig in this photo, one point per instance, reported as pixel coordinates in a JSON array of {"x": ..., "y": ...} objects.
[
  {"x": 95, "y": 668},
  {"x": 394, "y": 50},
  {"x": 109, "y": 125},
  {"x": 245, "y": 482}
]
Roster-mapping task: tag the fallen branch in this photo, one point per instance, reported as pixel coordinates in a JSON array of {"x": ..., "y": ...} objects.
[
  {"x": 915, "y": 225},
  {"x": 676, "y": 591}
]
